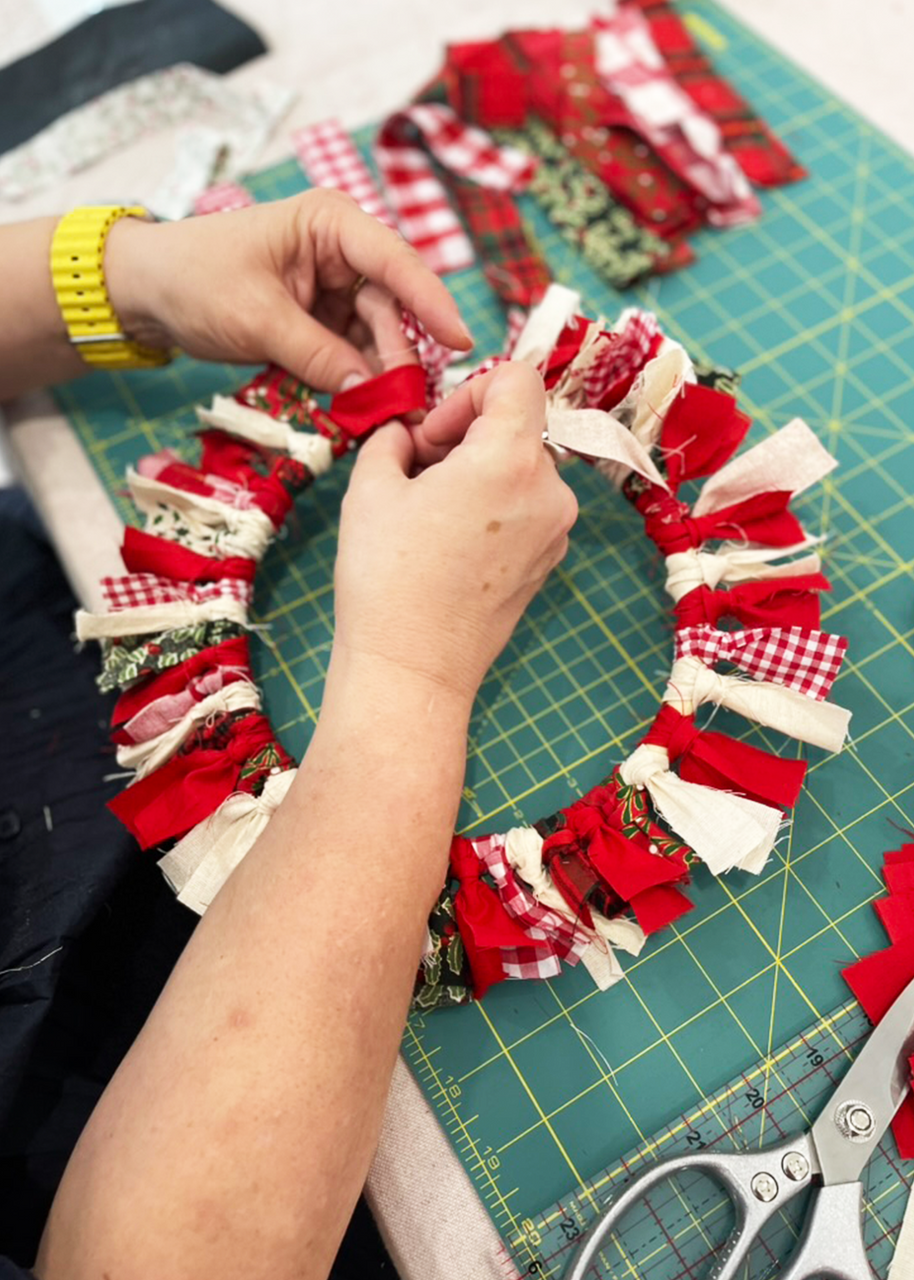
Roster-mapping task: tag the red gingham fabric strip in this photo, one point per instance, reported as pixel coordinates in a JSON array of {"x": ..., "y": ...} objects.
[
  {"x": 805, "y": 660},
  {"x": 329, "y": 158},
  {"x": 630, "y": 66},
  {"x": 567, "y": 940},
  {"x": 224, "y": 197},
  {"x": 623, "y": 356},
  {"x": 419, "y": 199},
  {"x": 433, "y": 357},
  {"x": 137, "y": 589}
]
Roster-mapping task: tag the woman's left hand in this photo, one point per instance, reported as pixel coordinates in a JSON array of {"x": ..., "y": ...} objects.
[{"x": 279, "y": 282}]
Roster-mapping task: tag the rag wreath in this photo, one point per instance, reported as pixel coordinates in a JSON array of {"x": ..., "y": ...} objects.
[{"x": 602, "y": 874}]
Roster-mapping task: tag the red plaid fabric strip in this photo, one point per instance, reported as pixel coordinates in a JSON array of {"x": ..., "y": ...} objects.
[
  {"x": 805, "y": 660},
  {"x": 135, "y": 590},
  {"x": 630, "y": 66},
  {"x": 329, "y": 158},
  {"x": 567, "y": 941},
  {"x": 763, "y": 157},
  {"x": 622, "y": 358},
  {"x": 420, "y": 199},
  {"x": 224, "y": 197}
]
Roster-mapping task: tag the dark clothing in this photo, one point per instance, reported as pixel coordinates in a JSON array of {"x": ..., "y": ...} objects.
[{"x": 89, "y": 930}]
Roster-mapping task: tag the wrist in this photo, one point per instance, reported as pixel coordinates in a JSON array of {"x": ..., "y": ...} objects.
[
  {"x": 384, "y": 688},
  {"x": 132, "y": 271}
]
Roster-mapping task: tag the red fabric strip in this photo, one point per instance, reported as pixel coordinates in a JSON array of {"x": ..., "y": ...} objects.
[
  {"x": 144, "y": 553},
  {"x": 188, "y": 788},
  {"x": 702, "y": 430},
  {"x": 716, "y": 760},
  {"x": 763, "y": 518},
  {"x": 232, "y": 653},
  {"x": 391, "y": 395},
  {"x": 781, "y": 602},
  {"x": 659, "y": 906}
]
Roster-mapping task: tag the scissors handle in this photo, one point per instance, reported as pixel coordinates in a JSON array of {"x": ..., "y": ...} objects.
[
  {"x": 741, "y": 1176},
  {"x": 831, "y": 1244}
]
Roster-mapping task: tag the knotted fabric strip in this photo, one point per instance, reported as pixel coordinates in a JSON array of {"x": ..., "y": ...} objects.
[
  {"x": 770, "y": 603},
  {"x": 152, "y": 753},
  {"x": 686, "y": 570},
  {"x": 163, "y": 713},
  {"x": 792, "y": 459},
  {"x": 143, "y": 552},
  {"x": 725, "y": 830},
  {"x": 305, "y": 446},
  {"x": 197, "y": 521},
  {"x": 148, "y": 619},
  {"x": 329, "y": 158},
  {"x": 136, "y": 590},
  {"x": 191, "y": 785},
  {"x": 821, "y": 724},
  {"x": 231, "y": 656},
  {"x": 199, "y": 865},
  {"x": 716, "y": 760},
  {"x": 804, "y": 660}
]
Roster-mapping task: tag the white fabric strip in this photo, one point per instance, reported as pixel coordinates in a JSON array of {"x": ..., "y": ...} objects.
[
  {"x": 597, "y": 434},
  {"x": 686, "y": 570},
  {"x": 146, "y": 757},
  {"x": 792, "y": 459},
  {"x": 902, "y": 1265},
  {"x": 545, "y": 324},
  {"x": 149, "y": 618},
  {"x": 725, "y": 830},
  {"x": 821, "y": 724},
  {"x": 653, "y": 391},
  {"x": 259, "y": 428},
  {"x": 199, "y": 865},
  {"x": 250, "y": 530}
]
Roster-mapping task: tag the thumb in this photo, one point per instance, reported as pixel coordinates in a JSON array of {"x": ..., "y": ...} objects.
[
  {"x": 389, "y": 452},
  {"x": 301, "y": 344}
]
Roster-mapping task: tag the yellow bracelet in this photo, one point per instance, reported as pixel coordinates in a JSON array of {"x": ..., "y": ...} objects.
[{"x": 77, "y": 272}]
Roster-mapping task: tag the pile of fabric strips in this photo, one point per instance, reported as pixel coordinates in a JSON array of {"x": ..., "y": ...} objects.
[
  {"x": 624, "y": 134},
  {"x": 601, "y": 875}
]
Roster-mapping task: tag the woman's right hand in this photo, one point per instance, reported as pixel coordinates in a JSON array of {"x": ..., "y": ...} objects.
[{"x": 436, "y": 565}]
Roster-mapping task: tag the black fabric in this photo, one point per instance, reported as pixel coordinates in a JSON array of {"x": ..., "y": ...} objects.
[
  {"x": 112, "y": 47},
  {"x": 89, "y": 931}
]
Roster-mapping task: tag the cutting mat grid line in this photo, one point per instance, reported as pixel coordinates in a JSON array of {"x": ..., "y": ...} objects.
[{"x": 815, "y": 305}]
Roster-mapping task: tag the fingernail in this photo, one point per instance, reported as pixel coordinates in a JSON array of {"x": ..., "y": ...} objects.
[
  {"x": 466, "y": 333},
  {"x": 352, "y": 380}
]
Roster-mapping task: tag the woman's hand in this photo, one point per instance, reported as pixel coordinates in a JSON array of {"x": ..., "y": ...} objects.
[
  {"x": 277, "y": 283},
  {"x": 435, "y": 569}
]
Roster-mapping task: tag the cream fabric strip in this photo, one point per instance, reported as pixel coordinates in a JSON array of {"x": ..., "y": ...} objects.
[
  {"x": 259, "y": 428},
  {"x": 146, "y": 619},
  {"x": 644, "y": 408},
  {"x": 524, "y": 851},
  {"x": 686, "y": 570},
  {"x": 902, "y": 1265},
  {"x": 725, "y": 830},
  {"x": 545, "y": 323},
  {"x": 248, "y": 531},
  {"x": 146, "y": 757},
  {"x": 791, "y": 459},
  {"x": 597, "y": 434},
  {"x": 821, "y": 724},
  {"x": 199, "y": 865}
]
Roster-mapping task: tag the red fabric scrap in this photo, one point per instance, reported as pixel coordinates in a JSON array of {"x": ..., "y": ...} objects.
[
  {"x": 702, "y": 430},
  {"x": 485, "y": 926},
  {"x": 233, "y": 655},
  {"x": 391, "y": 395},
  {"x": 144, "y": 553},
  {"x": 166, "y": 804},
  {"x": 763, "y": 518},
  {"x": 771, "y": 602},
  {"x": 715, "y": 760}
]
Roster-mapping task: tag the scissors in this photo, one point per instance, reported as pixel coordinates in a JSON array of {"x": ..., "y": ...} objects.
[{"x": 830, "y": 1157}]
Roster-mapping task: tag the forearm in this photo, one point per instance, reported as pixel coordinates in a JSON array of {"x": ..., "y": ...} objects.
[
  {"x": 237, "y": 1134},
  {"x": 34, "y": 348}
]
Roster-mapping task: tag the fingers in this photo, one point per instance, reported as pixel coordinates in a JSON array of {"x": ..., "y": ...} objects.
[
  {"x": 373, "y": 250},
  {"x": 505, "y": 407},
  {"x": 379, "y": 312},
  {"x": 301, "y": 344},
  {"x": 387, "y": 454}
]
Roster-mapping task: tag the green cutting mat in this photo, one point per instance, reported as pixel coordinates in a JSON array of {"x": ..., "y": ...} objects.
[{"x": 545, "y": 1083}]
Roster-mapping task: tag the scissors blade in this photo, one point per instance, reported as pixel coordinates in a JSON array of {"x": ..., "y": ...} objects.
[{"x": 857, "y": 1115}]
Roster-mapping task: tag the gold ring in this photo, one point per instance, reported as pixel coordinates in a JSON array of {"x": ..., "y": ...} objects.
[{"x": 356, "y": 285}]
